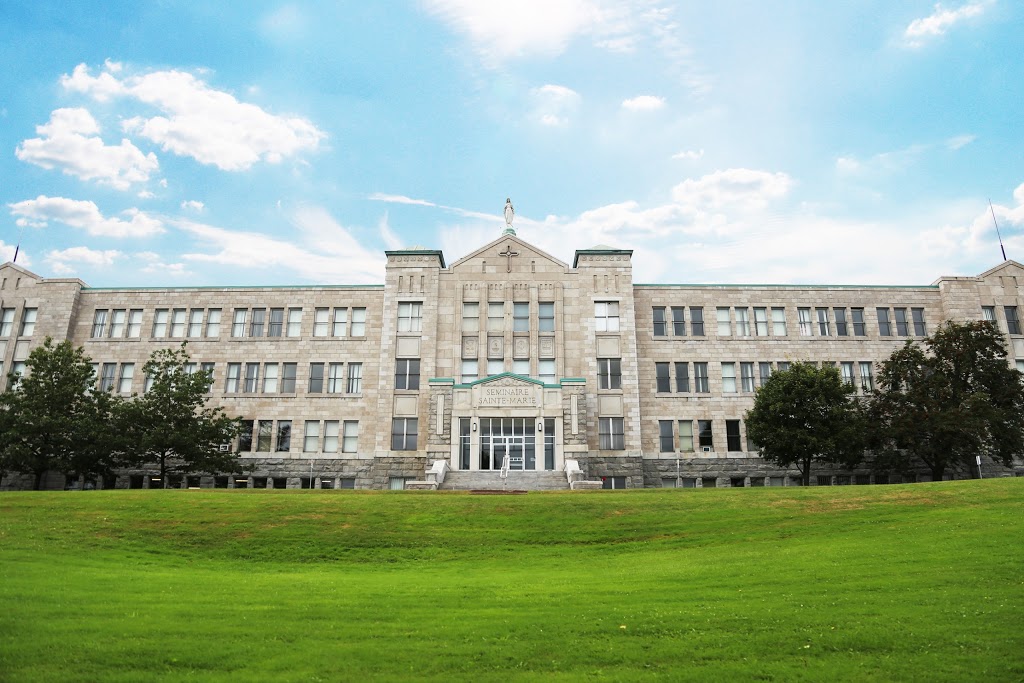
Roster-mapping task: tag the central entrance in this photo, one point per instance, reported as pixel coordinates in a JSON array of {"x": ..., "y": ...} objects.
[{"x": 511, "y": 438}]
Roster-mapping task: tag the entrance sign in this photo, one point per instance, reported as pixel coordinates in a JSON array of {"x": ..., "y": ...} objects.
[{"x": 507, "y": 396}]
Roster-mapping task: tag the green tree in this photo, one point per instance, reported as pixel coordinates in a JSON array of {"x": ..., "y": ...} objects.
[
  {"x": 944, "y": 407},
  {"x": 806, "y": 414},
  {"x": 171, "y": 425},
  {"x": 52, "y": 419}
]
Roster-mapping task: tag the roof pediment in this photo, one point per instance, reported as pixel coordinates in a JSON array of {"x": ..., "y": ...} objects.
[
  {"x": 505, "y": 379},
  {"x": 1008, "y": 267},
  {"x": 509, "y": 254}
]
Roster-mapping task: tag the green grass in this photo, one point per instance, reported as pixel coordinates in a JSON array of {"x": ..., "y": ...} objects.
[{"x": 922, "y": 582}]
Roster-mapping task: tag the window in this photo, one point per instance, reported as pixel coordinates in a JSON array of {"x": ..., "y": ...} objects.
[
  {"x": 259, "y": 317},
  {"x": 252, "y": 376},
  {"x": 330, "y": 436},
  {"x": 495, "y": 316},
  {"x": 6, "y": 321},
  {"x": 841, "y": 328},
  {"x": 724, "y": 325},
  {"x": 124, "y": 382},
  {"x": 700, "y": 378},
  {"x": 245, "y": 436},
  {"x": 609, "y": 373},
  {"x": 988, "y": 314},
  {"x": 664, "y": 382},
  {"x": 403, "y": 433},
  {"x": 410, "y": 316},
  {"x": 335, "y": 378},
  {"x": 803, "y": 317},
  {"x": 920, "y": 329},
  {"x": 470, "y": 316},
  {"x": 610, "y": 435},
  {"x": 697, "y": 321},
  {"x": 134, "y": 330},
  {"x": 846, "y": 370},
  {"x": 284, "y": 436},
  {"x": 495, "y": 367},
  {"x": 732, "y": 436},
  {"x": 686, "y": 436},
  {"x": 350, "y": 437},
  {"x": 884, "y": 327},
  {"x": 761, "y": 322},
  {"x": 606, "y": 316},
  {"x": 705, "y": 435},
  {"x": 747, "y": 376},
  {"x": 294, "y": 322},
  {"x": 407, "y": 373},
  {"x": 195, "y": 322},
  {"x": 823, "y": 323},
  {"x": 28, "y": 322},
  {"x": 358, "y": 322},
  {"x": 178, "y": 323},
  {"x": 521, "y": 367},
  {"x": 339, "y": 326},
  {"x": 779, "y": 322},
  {"x": 783, "y": 365},
  {"x": 679, "y": 321},
  {"x": 743, "y": 322},
  {"x": 288, "y": 378},
  {"x": 321, "y": 317},
  {"x": 311, "y": 437},
  {"x": 1012, "y": 321},
  {"x": 238, "y": 323},
  {"x": 316, "y": 378},
  {"x": 666, "y": 443},
  {"x": 99, "y": 323},
  {"x": 546, "y": 371},
  {"x": 233, "y": 375},
  {"x": 547, "y": 316},
  {"x": 729, "y": 378},
  {"x": 270, "y": 378},
  {"x": 867, "y": 382},
  {"x": 355, "y": 378},
  {"x": 160, "y": 323},
  {"x": 276, "y": 327},
  {"x": 902, "y": 329},
  {"x": 613, "y": 482},
  {"x": 764, "y": 370},
  {"x": 683, "y": 378},
  {"x": 859, "y": 327},
  {"x": 520, "y": 317},
  {"x": 470, "y": 370},
  {"x": 660, "y": 326},
  {"x": 213, "y": 322}
]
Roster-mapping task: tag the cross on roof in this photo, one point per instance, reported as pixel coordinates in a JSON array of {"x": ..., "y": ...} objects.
[{"x": 509, "y": 254}]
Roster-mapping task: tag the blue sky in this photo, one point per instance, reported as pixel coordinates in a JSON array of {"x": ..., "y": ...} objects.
[{"x": 180, "y": 143}]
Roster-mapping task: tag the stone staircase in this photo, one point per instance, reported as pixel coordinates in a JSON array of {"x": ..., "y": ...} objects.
[{"x": 517, "y": 481}]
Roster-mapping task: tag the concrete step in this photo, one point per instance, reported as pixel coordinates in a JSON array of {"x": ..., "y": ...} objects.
[{"x": 490, "y": 480}]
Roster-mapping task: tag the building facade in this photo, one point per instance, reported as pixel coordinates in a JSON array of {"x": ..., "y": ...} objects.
[{"x": 506, "y": 357}]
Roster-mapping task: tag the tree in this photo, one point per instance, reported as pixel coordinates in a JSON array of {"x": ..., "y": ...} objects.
[
  {"x": 943, "y": 408},
  {"x": 52, "y": 419},
  {"x": 804, "y": 415},
  {"x": 171, "y": 425}
]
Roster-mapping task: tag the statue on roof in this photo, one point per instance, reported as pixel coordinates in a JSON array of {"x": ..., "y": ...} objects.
[{"x": 509, "y": 212}]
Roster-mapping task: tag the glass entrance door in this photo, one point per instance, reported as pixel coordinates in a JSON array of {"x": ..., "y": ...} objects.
[{"x": 508, "y": 438}]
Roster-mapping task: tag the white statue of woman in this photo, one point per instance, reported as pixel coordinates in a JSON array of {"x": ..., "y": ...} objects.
[{"x": 509, "y": 212}]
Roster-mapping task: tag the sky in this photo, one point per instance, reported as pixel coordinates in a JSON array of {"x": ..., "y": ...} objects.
[{"x": 180, "y": 143}]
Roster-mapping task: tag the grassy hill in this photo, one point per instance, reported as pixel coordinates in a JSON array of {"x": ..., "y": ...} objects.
[{"x": 921, "y": 582}]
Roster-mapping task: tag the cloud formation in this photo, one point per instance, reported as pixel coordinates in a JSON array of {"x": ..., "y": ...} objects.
[
  {"x": 940, "y": 21},
  {"x": 67, "y": 261},
  {"x": 643, "y": 103},
  {"x": 84, "y": 215},
  {"x": 554, "y": 104}
]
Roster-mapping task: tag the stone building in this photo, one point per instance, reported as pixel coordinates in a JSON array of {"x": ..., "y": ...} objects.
[{"x": 507, "y": 357}]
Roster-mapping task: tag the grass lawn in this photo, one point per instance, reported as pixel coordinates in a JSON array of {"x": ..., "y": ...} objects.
[{"x": 879, "y": 583}]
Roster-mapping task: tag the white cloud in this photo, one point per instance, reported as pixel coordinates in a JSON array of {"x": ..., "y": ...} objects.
[
  {"x": 391, "y": 240},
  {"x": 193, "y": 205},
  {"x": 689, "y": 154},
  {"x": 208, "y": 125},
  {"x": 734, "y": 188},
  {"x": 71, "y": 143},
  {"x": 643, "y": 103},
  {"x": 940, "y": 21},
  {"x": 67, "y": 261},
  {"x": 83, "y": 215},
  {"x": 882, "y": 164},
  {"x": 145, "y": 194},
  {"x": 958, "y": 141},
  {"x": 7, "y": 254},
  {"x": 398, "y": 199},
  {"x": 554, "y": 104}
]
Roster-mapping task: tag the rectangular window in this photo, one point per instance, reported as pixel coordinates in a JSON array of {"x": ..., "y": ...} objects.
[
  {"x": 660, "y": 325},
  {"x": 1012, "y": 321},
  {"x": 311, "y": 437},
  {"x": 764, "y": 370},
  {"x": 245, "y": 436},
  {"x": 258, "y": 323},
  {"x": 686, "y": 436},
  {"x": 160, "y": 323},
  {"x": 294, "y": 322},
  {"x": 547, "y": 316},
  {"x": 232, "y": 378},
  {"x": 339, "y": 326},
  {"x": 470, "y": 370},
  {"x": 6, "y": 322},
  {"x": 546, "y": 371},
  {"x": 666, "y": 442},
  {"x": 902, "y": 328},
  {"x": 321, "y": 319},
  {"x": 683, "y": 378},
  {"x": 803, "y": 317},
  {"x": 496, "y": 316},
  {"x": 520, "y": 316},
  {"x": 238, "y": 323},
  {"x": 410, "y": 316},
  {"x": 724, "y": 324},
  {"x": 407, "y": 373},
  {"x": 195, "y": 323},
  {"x": 213, "y": 322},
  {"x": 678, "y": 321},
  {"x": 664, "y": 382},
  {"x": 705, "y": 436},
  {"x": 470, "y": 316},
  {"x": 350, "y": 437},
  {"x": 823, "y": 323},
  {"x": 264, "y": 433},
  {"x": 611, "y": 435},
  {"x": 288, "y": 378},
  {"x": 988, "y": 314},
  {"x": 697, "y": 321},
  {"x": 252, "y": 376},
  {"x": 742, "y": 322},
  {"x": 841, "y": 329},
  {"x": 779, "y": 322},
  {"x": 729, "y": 378},
  {"x": 178, "y": 323},
  {"x": 867, "y": 382},
  {"x": 783, "y": 365},
  {"x": 270, "y": 378},
  {"x": 700, "y": 378},
  {"x": 403, "y": 433},
  {"x": 884, "y": 327},
  {"x": 732, "y": 436},
  {"x": 846, "y": 369},
  {"x": 747, "y": 376},
  {"x": 331, "y": 436},
  {"x": 316, "y": 378},
  {"x": 609, "y": 373},
  {"x": 920, "y": 329},
  {"x": 135, "y": 323},
  {"x": 521, "y": 367},
  {"x": 117, "y": 323},
  {"x": 358, "y": 322},
  {"x": 276, "y": 327},
  {"x": 495, "y": 367},
  {"x": 761, "y": 322},
  {"x": 335, "y": 378},
  {"x": 606, "y": 316},
  {"x": 99, "y": 323},
  {"x": 28, "y": 322},
  {"x": 859, "y": 327},
  {"x": 124, "y": 382},
  {"x": 284, "y": 436},
  {"x": 355, "y": 378}
]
